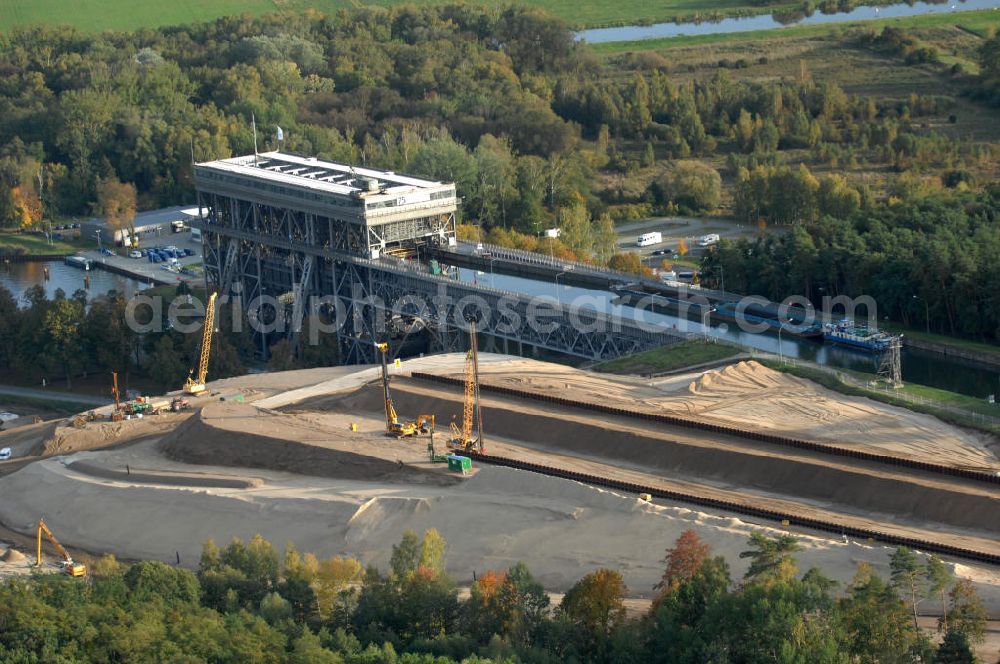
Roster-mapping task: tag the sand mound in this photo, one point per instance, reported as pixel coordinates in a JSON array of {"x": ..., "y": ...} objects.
[
  {"x": 694, "y": 455},
  {"x": 750, "y": 396},
  {"x": 236, "y": 434},
  {"x": 13, "y": 556}
]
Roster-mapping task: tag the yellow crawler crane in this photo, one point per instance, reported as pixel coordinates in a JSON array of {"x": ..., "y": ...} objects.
[
  {"x": 67, "y": 565},
  {"x": 393, "y": 427},
  {"x": 193, "y": 386},
  {"x": 463, "y": 439}
]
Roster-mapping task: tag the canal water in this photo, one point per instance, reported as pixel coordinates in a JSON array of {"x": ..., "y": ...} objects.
[
  {"x": 919, "y": 367},
  {"x": 776, "y": 21},
  {"x": 18, "y": 277}
]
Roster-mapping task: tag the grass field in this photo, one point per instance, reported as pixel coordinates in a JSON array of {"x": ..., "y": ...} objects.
[
  {"x": 37, "y": 244},
  {"x": 668, "y": 358},
  {"x": 97, "y": 15}
]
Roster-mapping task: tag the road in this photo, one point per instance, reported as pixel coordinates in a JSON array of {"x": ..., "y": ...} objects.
[
  {"x": 675, "y": 229},
  {"x": 54, "y": 395}
]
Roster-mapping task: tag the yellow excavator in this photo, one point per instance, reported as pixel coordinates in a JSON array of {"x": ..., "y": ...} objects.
[
  {"x": 393, "y": 427},
  {"x": 462, "y": 439},
  {"x": 67, "y": 565},
  {"x": 193, "y": 386}
]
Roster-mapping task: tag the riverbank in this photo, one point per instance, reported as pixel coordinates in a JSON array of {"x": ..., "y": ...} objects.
[
  {"x": 976, "y": 22},
  {"x": 965, "y": 349},
  {"x": 34, "y": 246}
]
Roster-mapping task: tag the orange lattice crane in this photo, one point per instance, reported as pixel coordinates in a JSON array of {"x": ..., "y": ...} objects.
[
  {"x": 196, "y": 385},
  {"x": 472, "y": 412}
]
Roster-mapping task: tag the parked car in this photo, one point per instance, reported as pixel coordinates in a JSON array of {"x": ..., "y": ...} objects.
[
  {"x": 189, "y": 252},
  {"x": 5, "y": 454},
  {"x": 135, "y": 253}
]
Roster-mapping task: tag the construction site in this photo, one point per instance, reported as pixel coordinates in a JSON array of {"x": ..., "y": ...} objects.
[{"x": 510, "y": 459}]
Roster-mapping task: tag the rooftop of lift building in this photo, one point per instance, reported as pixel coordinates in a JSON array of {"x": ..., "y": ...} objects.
[{"x": 312, "y": 173}]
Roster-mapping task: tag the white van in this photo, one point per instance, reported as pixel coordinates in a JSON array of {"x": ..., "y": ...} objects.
[
  {"x": 708, "y": 240},
  {"x": 647, "y": 239}
]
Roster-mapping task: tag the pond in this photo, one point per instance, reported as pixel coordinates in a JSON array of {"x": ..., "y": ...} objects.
[{"x": 18, "y": 277}]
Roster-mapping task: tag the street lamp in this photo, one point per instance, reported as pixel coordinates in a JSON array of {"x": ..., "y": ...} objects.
[
  {"x": 99, "y": 247},
  {"x": 492, "y": 258},
  {"x": 781, "y": 326},
  {"x": 557, "y": 283},
  {"x": 722, "y": 278},
  {"x": 927, "y": 312}
]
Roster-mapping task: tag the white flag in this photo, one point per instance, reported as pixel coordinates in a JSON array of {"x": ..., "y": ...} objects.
[{"x": 281, "y": 134}]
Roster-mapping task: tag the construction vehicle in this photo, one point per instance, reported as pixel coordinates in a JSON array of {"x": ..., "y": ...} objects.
[
  {"x": 393, "y": 427},
  {"x": 178, "y": 404},
  {"x": 67, "y": 565},
  {"x": 462, "y": 439},
  {"x": 196, "y": 386},
  {"x": 116, "y": 415}
]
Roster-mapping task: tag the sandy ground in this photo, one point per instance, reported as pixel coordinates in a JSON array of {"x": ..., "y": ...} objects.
[
  {"x": 492, "y": 519},
  {"x": 280, "y": 466},
  {"x": 750, "y": 396}
]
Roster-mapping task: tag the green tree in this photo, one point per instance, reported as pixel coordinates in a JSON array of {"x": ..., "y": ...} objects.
[
  {"x": 577, "y": 231},
  {"x": 908, "y": 578},
  {"x": 432, "y": 551},
  {"x": 938, "y": 580},
  {"x": 955, "y": 649},
  {"x": 771, "y": 558},
  {"x": 873, "y": 624},
  {"x": 691, "y": 186},
  {"x": 61, "y": 331},
  {"x": 967, "y": 614},
  {"x": 150, "y": 578}
]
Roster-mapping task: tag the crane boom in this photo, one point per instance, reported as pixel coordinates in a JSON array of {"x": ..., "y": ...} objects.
[
  {"x": 393, "y": 427},
  {"x": 196, "y": 386}
]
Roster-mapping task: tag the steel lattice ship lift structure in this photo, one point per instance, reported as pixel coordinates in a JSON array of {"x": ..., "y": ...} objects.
[{"x": 291, "y": 229}]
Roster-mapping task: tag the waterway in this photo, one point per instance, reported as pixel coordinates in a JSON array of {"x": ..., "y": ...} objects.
[
  {"x": 18, "y": 277},
  {"x": 918, "y": 367},
  {"x": 776, "y": 21}
]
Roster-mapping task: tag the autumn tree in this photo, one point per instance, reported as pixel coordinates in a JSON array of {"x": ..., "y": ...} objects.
[
  {"x": 596, "y": 606},
  {"x": 116, "y": 201},
  {"x": 682, "y": 561},
  {"x": 628, "y": 261},
  {"x": 27, "y": 205}
]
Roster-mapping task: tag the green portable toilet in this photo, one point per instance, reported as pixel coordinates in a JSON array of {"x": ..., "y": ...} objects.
[{"x": 459, "y": 464}]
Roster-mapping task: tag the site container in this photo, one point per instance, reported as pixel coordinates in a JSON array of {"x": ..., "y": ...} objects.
[{"x": 459, "y": 464}]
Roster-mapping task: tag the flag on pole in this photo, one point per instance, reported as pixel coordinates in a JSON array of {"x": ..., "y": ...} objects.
[{"x": 281, "y": 134}]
